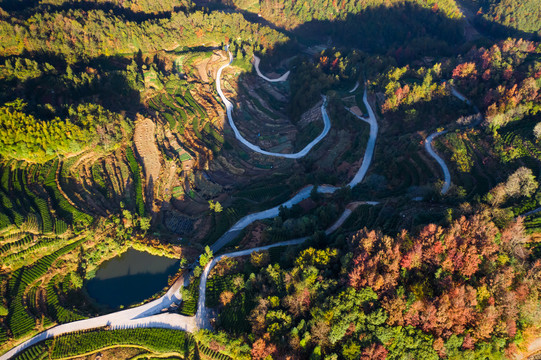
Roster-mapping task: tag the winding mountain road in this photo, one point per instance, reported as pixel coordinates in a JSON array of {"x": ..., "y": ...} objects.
[
  {"x": 238, "y": 135},
  {"x": 432, "y": 152},
  {"x": 203, "y": 312},
  {"x": 256, "y": 65},
  {"x": 154, "y": 314},
  {"x": 304, "y": 193},
  {"x": 371, "y": 145}
]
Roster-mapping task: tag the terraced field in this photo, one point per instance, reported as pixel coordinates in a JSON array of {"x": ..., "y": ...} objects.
[
  {"x": 262, "y": 117},
  {"x": 20, "y": 321},
  {"x": 195, "y": 121}
]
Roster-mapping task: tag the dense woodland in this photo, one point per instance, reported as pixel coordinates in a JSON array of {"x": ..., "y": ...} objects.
[
  {"x": 461, "y": 292},
  {"x": 93, "y": 33},
  {"x": 420, "y": 276},
  {"x": 291, "y": 13},
  {"x": 503, "y": 17}
]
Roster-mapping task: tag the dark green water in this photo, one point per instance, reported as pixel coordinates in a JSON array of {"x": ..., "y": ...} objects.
[{"x": 130, "y": 278}]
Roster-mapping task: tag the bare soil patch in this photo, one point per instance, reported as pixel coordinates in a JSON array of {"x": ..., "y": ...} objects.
[
  {"x": 147, "y": 150},
  {"x": 355, "y": 109},
  {"x": 202, "y": 69}
]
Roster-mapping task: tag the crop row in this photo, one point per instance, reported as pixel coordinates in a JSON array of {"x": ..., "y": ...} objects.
[
  {"x": 3, "y": 335},
  {"x": 212, "y": 137},
  {"x": 61, "y": 204},
  {"x": 66, "y": 210},
  {"x": 364, "y": 215},
  {"x": 189, "y": 305},
  {"x": 36, "y": 352},
  {"x": 19, "y": 204},
  {"x": 42, "y": 243},
  {"x": 16, "y": 244},
  {"x": 233, "y": 316},
  {"x": 171, "y": 111},
  {"x": 99, "y": 180},
  {"x": 215, "y": 286},
  {"x": 161, "y": 340},
  {"x": 189, "y": 98},
  {"x": 155, "y": 340},
  {"x": 19, "y": 320},
  {"x": 32, "y": 300},
  {"x": 57, "y": 312},
  {"x": 533, "y": 223},
  {"x": 211, "y": 353},
  {"x": 10, "y": 207}
]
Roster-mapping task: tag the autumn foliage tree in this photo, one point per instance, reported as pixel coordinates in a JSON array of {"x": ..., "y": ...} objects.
[
  {"x": 504, "y": 79},
  {"x": 446, "y": 281},
  {"x": 463, "y": 291}
]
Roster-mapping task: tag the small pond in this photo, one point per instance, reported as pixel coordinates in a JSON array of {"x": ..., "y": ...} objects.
[{"x": 130, "y": 278}]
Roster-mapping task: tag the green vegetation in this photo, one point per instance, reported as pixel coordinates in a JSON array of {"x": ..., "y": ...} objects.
[
  {"x": 333, "y": 68},
  {"x": 190, "y": 296},
  {"x": 24, "y": 137},
  {"x": 291, "y": 13},
  {"x": 216, "y": 285},
  {"x": 160, "y": 340},
  {"x": 155, "y": 340},
  {"x": 36, "y": 352},
  {"x": 64, "y": 208},
  {"x": 56, "y": 311},
  {"x": 108, "y": 34},
  {"x": 32, "y": 200},
  {"x": 508, "y": 17},
  {"x": 138, "y": 188},
  {"x": 19, "y": 321}
]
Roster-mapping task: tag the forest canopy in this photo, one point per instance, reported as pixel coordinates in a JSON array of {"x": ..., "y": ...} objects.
[{"x": 25, "y": 137}]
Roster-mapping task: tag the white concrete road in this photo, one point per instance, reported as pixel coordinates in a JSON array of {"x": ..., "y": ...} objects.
[
  {"x": 371, "y": 145},
  {"x": 238, "y": 135},
  {"x": 430, "y": 150},
  {"x": 203, "y": 313},
  {"x": 304, "y": 193},
  {"x": 147, "y": 315},
  {"x": 256, "y": 65}
]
